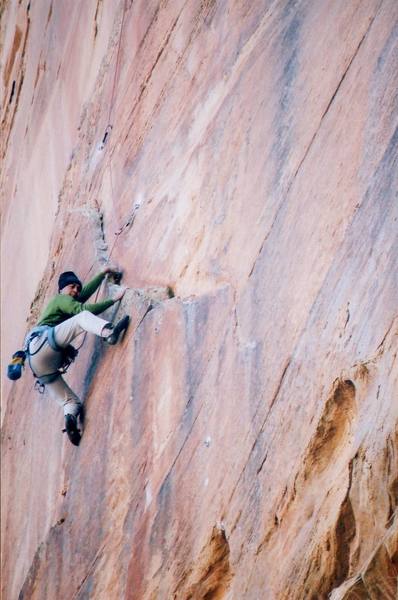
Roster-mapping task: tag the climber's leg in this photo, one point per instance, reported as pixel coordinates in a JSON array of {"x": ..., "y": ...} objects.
[
  {"x": 72, "y": 430},
  {"x": 67, "y": 331},
  {"x": 64, "y": 396},
  {"x": 43, "y": 359},
  {"x": 47, "y": 361},
  {"x": 116, "y": 330}
]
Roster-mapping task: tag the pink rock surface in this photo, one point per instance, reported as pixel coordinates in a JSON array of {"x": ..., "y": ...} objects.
[{"x": 241, "y": 442}]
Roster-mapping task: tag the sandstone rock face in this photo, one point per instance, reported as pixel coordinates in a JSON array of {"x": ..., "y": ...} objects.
[{"x": 239, "y": 161}]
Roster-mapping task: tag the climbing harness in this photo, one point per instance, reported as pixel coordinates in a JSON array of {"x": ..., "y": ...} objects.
[{"x": 68, "y": 355}]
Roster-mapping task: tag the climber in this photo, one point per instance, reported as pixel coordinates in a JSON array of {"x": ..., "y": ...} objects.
[{"x": 48, "y": 345}]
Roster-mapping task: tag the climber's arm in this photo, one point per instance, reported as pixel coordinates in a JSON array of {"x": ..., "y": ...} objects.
[
  {"x": 90, "y": 287},
  {"x": 71, "y": 307}
]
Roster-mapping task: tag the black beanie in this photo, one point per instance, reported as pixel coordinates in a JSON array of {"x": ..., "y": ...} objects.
[{"x": 67, "y": 278}]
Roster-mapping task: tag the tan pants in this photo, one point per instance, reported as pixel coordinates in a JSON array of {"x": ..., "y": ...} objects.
[{"x": 47, "y": 360}]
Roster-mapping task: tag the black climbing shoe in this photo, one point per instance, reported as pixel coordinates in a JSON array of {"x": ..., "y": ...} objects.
[
  {"x": 72, "y": 430},
  {"x": 117, "y": 330}
]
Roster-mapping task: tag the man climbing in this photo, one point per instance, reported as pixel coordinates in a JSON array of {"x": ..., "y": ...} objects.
[{"x": 48, "y": 345}]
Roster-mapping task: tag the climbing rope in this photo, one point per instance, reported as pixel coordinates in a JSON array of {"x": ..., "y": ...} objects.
[
  {"x": 117, "y": 62},
  {"x": 107, "y": 133},
  {"x": 111, "y": 107}
]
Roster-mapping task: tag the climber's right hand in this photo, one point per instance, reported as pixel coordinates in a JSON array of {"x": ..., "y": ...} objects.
[
  {"x": 109, "y": 269},
  {"x": 119, "y": 295}
]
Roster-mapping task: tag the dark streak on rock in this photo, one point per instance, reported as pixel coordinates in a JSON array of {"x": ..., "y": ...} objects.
[
  {"x": 22, "y": 76},
  {"x": 39, "y": 561},
  {"x": 12, "y": 92},
  {"x": 261, "y": 430},
  {"x": 347, "y": 316},
  {"x": 262, "y": 463},
  {"x": 149, "y": 76},
  {"x": 25, "y": 593},
  {"x": 386, "y": 334},
  {"x": 390, "y": 46},
  {"x": 331, "y": 101},
  {"x": 162, "y": 518},
  {"x": 95, "y": 19},
  {"x": 207, "y": 11},
  {"x": 281, "y": 147},
  {"x": 95, "y": 361},
  {"x": 50, "y": 12},
  {"x": 196, "y": 316},
  {"x": 289, "y": 45},
  {"x": 88, "y": 574}
]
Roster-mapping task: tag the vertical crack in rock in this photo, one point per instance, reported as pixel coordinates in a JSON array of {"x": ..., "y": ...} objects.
[
  {"x": 380, "y": 346},
  {"x": 334, "y": 96},
  {"x": 19, "y": 86},
  {"x": 158, "y": 57},
  {"x": 100, "y": 246},
  {"x": 39, "y": 562},
  {"x": 11, "y": 58},
  {"x": 209, "y": 578},
  {"x": 332, "y": 556},
  {"x": 96, "y": 18},
  {"x": 50, "y": 12},
  {"x": 348, "y": 316},
  {"x": 95, "y": 361},
  {"x": 274, "y": 397},
  {"x": 307, "y": 150},
  {"x": 391, "y": 465},
  {"x": 153, "y": 67},
  {"x": 96, "y": 218},
  {"x": 205, "y": 9},
  {"x": 28, "y": 586},
  {"x": 90, "y": 570},
  {"x": 345, "y": 531},
  {"x": 12, "y": 92}
]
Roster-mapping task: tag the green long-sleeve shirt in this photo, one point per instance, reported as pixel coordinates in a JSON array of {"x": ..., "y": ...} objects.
[{"x": 63, "y": 306}]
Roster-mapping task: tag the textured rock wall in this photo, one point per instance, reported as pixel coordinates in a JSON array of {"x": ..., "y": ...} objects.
[{"x": 242, "y": 441}]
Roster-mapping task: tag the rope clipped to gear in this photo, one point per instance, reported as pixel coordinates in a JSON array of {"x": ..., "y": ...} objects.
[{"x": 109, "y": 129}]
